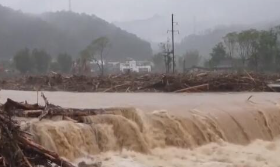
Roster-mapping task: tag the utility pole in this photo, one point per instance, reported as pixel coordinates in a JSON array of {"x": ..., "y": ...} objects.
[
  {"x": 173, "y": 42},
  {"x": 70, "y": 6}
]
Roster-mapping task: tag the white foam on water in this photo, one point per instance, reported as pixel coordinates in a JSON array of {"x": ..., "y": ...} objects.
[{"x": 257, "y": 154}]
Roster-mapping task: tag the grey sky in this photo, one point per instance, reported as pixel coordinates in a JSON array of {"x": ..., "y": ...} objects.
[{"x": 220, "y": 11}]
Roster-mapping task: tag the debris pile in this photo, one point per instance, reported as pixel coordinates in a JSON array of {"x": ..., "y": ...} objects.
[
  {"x": 191, "y": 82},
  {"x": 17, "y": 147}
]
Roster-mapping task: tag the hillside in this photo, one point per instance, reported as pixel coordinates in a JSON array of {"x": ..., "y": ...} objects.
[
  {"x": 152, "y": 29},
  {"x": 65, "y": 32},
  {"x": 18, "y": 30}
]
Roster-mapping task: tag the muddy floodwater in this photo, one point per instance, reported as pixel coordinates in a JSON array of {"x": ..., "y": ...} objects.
[
  {"x": 146, "y": 101},
  {"x": 163, "y": 130}
]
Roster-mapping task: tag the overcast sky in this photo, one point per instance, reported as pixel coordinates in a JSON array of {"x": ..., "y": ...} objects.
[{"x": 224, "y": 11}]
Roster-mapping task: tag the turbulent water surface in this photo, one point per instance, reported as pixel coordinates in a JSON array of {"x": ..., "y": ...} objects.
[{"x": 163, "y": 130}]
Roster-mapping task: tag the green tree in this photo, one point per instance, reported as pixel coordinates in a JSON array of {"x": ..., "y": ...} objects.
[
  {"x": 257, "y": 50},
  {"x": 42, "y": 60},
  {"x": 86, "y": 55},
  {"x": 23, "y": 61},
  {"x": 218, "y": 54},
  {"x": 276, "y": 31},
  {"x": 230, "y": 41},
  {"x": 247, "y": 42},
  {"x": 99, "y": 46},
  {"x": 64, "y": 62},
  {"x": 267, "y": 50},
  {"x": 96, "y": 48}
]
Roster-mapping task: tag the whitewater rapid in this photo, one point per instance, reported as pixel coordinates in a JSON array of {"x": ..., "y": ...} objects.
[{"x": 147, "y": 130}]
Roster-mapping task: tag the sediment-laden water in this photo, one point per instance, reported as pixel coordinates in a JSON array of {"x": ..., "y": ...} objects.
[{"x": 147, "y": 130}]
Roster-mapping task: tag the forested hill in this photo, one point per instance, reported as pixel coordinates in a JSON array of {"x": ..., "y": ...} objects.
[
  {"x": 18, "y": 30},
  {"x": 65, "y": 32}
]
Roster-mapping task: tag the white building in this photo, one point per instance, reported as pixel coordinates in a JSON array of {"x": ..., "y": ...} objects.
[
  {"x": 136, "y": 66},
  {"x": 99, "y": 62},
  {"x": 95, "y": 65}
]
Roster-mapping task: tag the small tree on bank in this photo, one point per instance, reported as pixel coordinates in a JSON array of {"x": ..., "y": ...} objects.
[
  {"x": 64, "y": 62},
  {"x": 42, "y": 60},
  {"x": 218, "y": 54},
  {"x": 23, "y": 61},
  {"x": 96, "y": 48},
  {"x": 99, "y": 46}
]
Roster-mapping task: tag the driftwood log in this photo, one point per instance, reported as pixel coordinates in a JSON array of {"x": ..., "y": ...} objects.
[
  {"x": 16, "y": 147},
  {"x": 35, "y": 111},
  {"x": 11, "y": 105},
  {"x": 16, "y": 150},
  {"x": 69, "y": 112},
  {"x": 203, "y": 87}
]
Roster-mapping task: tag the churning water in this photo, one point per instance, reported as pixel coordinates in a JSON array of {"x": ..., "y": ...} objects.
[{"x": 163, "y": 130}]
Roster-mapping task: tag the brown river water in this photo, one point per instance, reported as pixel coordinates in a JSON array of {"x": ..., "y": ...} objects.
[{"x": 163, "y": 130}]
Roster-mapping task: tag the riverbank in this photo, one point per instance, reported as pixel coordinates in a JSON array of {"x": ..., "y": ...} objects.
[{"x": 179, "y": 83}]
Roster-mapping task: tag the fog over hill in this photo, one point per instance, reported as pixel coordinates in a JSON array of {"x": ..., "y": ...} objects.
[
  {"x": 65, "y": 32},
  {"x": 202, "y": 36},
  {"x": 150, "y": 19}
]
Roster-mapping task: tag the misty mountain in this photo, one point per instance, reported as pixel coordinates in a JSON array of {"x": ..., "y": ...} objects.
[
  {"x": 200, "y": 35},
  {"x": 65, "y": 32},
  {"x": 196, "y": 33},
  {"x": 18, "y": 30},
  {"x": 152, "y": 29}
]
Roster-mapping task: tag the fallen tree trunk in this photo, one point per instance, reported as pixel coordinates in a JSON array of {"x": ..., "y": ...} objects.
[
  {"x": 203, "y": 87},
  {"x": 69, "y": 112},
  {"x": 11, "y": 105},
  {"x": 51, "y": 156},
  {"x": 115, "y": 87},
  {"x": 34, "y": 111}
]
